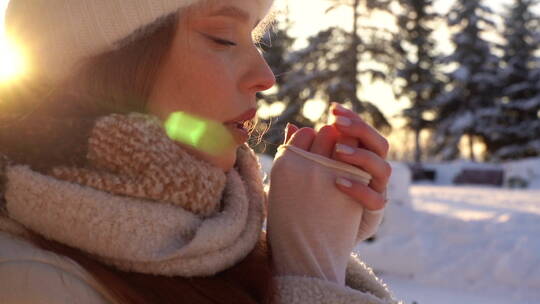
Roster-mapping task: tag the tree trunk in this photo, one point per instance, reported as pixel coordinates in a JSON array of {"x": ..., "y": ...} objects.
[
  {"x": 471, "y": 147},
  {"x": 354, "y": 50},
  {"x": 417, "y": 147}
]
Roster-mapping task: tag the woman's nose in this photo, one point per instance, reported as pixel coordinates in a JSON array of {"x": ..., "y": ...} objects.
[{"x": 260, "y": 77}]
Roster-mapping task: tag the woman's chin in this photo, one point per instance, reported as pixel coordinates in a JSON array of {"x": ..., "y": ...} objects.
[{"x": 224, "y": 161}]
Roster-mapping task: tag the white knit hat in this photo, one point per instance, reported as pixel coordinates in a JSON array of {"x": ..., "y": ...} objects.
[{"x": 57, "y": 34}]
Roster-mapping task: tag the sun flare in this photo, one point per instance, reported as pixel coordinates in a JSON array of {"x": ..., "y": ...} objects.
[
  {"x": 11, "y": 61},
  {"x": 12, "y": 64}
]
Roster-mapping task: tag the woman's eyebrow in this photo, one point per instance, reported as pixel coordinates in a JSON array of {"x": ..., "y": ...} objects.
[{"x": 233, "y": 12}]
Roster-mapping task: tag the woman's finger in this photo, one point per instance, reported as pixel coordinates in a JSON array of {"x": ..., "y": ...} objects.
[
  {"x": 324, "y": 142},
  {"x": 289, "y": 131},
  {"x": 367, "y": 197},
  {"x": 342, "y": 138},
  {"x": 303, "y": 138},
  {"x": 379, "y": 169},
  {"x": 345, "y": 140},
  {"x": 351, "y": 124}
]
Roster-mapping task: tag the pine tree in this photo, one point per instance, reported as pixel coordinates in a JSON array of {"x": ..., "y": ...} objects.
[
  {"x": 328, "y": 69},
  {"x": 329, "y": 66},
  {"x": 359, "y": 44},
  {"x": 472, "y": 85},
  {"x": 513, "y": 125},
  {"x": 420, "y": 82}
]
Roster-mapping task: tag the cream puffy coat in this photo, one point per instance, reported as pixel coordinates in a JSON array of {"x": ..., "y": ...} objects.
[
  {"x": 137, "y": 220},
  {"x": 31, "y": 275}
]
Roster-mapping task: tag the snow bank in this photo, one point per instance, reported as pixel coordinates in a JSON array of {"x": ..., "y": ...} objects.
[
  {"x": 526, "y": 169},
  {"x": 479, "y": 240},
  {"x": 266, "y": 165},
  {"x": 520, "y": 264},
  {"x": 446, "y": 172},
  {"x": 399, "y": 184}
]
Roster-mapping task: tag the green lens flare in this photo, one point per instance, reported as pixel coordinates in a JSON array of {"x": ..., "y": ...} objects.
[{"x": 202, "y": 134}]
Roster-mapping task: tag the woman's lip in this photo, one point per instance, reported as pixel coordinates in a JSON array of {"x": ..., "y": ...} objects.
[
  {"x": 240, "y": 135},
  {"x": 247, "y": 115}
]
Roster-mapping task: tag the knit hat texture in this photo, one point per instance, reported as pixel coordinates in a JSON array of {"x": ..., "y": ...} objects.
[{"x": 56, "y": 35}]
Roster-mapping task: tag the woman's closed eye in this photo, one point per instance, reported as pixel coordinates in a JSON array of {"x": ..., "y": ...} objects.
[
  {"x": 221, "y": 41},
  {"x": 224, "y": 42}
]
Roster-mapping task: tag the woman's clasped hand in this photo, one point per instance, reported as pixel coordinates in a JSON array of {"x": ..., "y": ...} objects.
[
  {"x": 352, "y": 141},
  {"x": 317, "y": 209}
]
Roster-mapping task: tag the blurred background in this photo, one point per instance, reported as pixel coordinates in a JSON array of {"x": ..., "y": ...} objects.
[
  {"x": 455, "y": 86},
  {"x": 443, "y": 79}
]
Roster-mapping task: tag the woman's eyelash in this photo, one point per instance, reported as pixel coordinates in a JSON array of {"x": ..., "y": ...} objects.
[
  {"x": 223, "y": 41},
  {"x": 259, "y": 47}
]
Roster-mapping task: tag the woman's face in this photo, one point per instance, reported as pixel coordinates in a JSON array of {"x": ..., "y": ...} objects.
[{"x": 213, "y": 69}]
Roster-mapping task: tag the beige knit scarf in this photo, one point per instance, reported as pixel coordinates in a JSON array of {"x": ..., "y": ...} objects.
[{"x": 143, "y": 204}]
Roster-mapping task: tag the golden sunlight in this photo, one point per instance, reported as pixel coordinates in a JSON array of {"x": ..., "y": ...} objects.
[
  {"x": 11, "y": 61},
  {"x": 313, "y": 109},
  {"x": 266, "y": 111}
]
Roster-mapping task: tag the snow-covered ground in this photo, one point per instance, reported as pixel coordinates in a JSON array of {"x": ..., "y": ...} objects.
[{"x": 467, "y": 245}]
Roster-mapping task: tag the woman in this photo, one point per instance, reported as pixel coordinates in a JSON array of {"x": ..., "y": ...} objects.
[{"x": 110, "y": 193}]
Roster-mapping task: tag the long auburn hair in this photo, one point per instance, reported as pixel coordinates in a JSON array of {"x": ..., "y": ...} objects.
[{"x": 51, "y": 128}]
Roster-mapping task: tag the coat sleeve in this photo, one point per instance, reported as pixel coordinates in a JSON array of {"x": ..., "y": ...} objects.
[
  {"x": 363, "y": 287},
  {"x": 31, "y": 275}
]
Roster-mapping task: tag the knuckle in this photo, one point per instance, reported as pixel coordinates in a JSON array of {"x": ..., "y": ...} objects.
[
  {"x": 368, "y": 199},
  {"x": 378, "y": 202},
  {"x": 354, "y": 191},
  {"x": 307, "y": 131},
  {"x": 362, "y": 158},
  {"x": 385, "y": 145},
  {"x": 370, "y": 156},
  {"x": 366, "y": 154},
  {"x": 362, "y": 125},
  {"x": 359, "y": 154},
  {"x": 387, "y": 169},
  {"x": 326, "y": 129},
  {"x": 377, "y": 185}
]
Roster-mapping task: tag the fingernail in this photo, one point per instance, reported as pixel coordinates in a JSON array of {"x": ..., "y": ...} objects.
[
  {"x": 339, "y": 107},
  {"x": 287, "y": 128},
  {"x": 343, "y": 182},
  {"x": 341, "y": 148},
  {"x": 343, "y": 121}
]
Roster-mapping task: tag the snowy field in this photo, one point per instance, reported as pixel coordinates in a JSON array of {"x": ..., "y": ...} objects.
[{"x": 467, "y": 245}]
